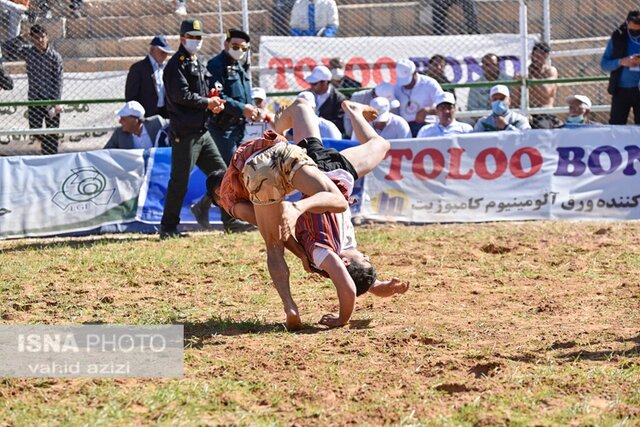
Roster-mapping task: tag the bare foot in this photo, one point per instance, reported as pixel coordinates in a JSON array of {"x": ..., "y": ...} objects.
[
  {"x": 293, "y": 321},
  {"x": 290, "y": 215},
  {"x": 369, "y": 113}
]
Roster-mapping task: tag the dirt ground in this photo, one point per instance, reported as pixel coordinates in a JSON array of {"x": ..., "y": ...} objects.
[{"x": 523, "y": 323}]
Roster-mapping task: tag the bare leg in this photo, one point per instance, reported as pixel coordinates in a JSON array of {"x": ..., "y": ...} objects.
[
  {"x": 299, "y": 116},
  {"x": 323, "y": 196},
  {"x": 267, "y": 217},
  {"x": 372, "y": 149}
]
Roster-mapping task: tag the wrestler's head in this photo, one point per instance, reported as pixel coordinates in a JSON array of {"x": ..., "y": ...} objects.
[
  {"x": 214, "y": 180},
  {"x": 360, "y": 269}
]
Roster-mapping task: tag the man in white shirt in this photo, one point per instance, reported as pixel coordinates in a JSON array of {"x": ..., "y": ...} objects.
[
  {"x": 365, "y": 97},
  {"x": 501, "y": 118},
  {"x": 135, "y": 131},
  {"x": 388, "y": 125},
  {"x": 447, "y": 123},
  {"x": 417, "y": 94},
  {"x": 314, "y": 18}
]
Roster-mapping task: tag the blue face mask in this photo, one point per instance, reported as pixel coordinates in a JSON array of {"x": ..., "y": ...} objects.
[
  {"x": 499, "y": 108},
  {"x": 575, "y": 119}
]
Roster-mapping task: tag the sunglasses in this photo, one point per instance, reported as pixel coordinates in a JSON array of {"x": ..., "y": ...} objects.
[{"x": 239, "y": 47}]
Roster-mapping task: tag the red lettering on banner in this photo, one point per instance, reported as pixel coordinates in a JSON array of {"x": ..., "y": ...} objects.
[
  {"x": 384, "y": 62},
  {"x": 418, "y": 164},
  {"x": 281, "y": 65},
  {"x": 480, "y": 164},
  {"x": 454, "y": 165},
  {"x": 299, "y": 68},
  {"x": 363, "y": 65},
  {"x": 515, "y": 163},
  {"x": 480, "y": 167},
  {"x": 396, "y": 163}
]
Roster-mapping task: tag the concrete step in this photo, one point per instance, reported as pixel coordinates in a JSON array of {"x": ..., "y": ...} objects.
[{"x": 127, "y": 26}]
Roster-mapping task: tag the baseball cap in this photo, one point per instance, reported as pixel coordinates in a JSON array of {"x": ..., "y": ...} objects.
[
  {"x": 501, "y": 89},
  {"x": 385, "y": 90},
  {"x": 131, "y": 109},
  {"x": 381, "y": 104},
  {"x": 583, "y": 99},
  {"x": 193, "y": 27},
  {"x": 258, "y": 92},
  {"x": 309, "y": 97},
  {"x": 447, "y": 97},
  {"x": 404, "y": 71},
  {"x": 319, "y": 74},
  {"x": 161, "y": 41}
]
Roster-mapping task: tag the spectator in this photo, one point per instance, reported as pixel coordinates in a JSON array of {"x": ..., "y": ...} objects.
[
  {"x": 314, "y": 18},
  {"x": 388, "y": 125},
  {"x": 338, "y": 78},
  {"x": 259, "y": 96},
  {"x": 144, "y": 81},
  {"x": 579, "y": 110},
  {"x": 435, "y": 70},
  {"x": 135, "y": 130},
  {"x": 188, "y": 104},
  {"x": 540, "y": 96},
  {"x": 229, "y": 74},
  {"x": 417, "y": 94},
  {"x": 181, "y": 7},
  {"x": 45, "y": 9},
  {"x": 501, "y": 118},
  {"x": 328, "y": 99},
  {"x": 479, "y": 96},
  {"x": 447, "y": 123},
  {"x": 621, "y": 59},
  {"x": 441, "y": 10},
  {"x": 365, "y": 96},
  {"x": 328, "y": 130},
  {"x": 6, "y": 82},
  {"x": 44, "y": 72},
  {"x": 13, "y": 11}
]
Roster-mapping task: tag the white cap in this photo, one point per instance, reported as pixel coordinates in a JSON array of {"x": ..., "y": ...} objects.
[
  {"x": 501, "y": 89},
  {"x": 131, "y": 109},
  {"x": 404, "y": 72},
  {"x": 447, "y": 97},
  {"x": 583, "y": 99},
  {"x": 258, "y": 92},
  {"x": 385, "y": 90},
  {"x": 381, "y": 104},
  {"x": 309, "y": 97},
  {"x": 319, "y": 74}
]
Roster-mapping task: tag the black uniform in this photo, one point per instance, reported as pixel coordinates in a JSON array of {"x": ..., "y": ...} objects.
[{"x": 186, "y": 84}]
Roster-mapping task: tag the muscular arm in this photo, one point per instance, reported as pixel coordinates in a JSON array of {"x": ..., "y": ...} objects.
[{"x": 345, "y": 288}]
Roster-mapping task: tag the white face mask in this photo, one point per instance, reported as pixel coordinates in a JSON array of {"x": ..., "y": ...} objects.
[
  {"x": 238, "y": 55},
  {"x": 193, "y": 45}
]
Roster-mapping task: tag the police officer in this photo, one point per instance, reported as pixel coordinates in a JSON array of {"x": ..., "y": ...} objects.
[
  {"x": 188, "y": 107},
  {"x": 229, "y": 74}
]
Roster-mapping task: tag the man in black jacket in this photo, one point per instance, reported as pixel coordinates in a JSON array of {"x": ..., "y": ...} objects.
[
  {"x": 6, "y": 82},
  {"x": 621, "y": 58},
  {"x": 188, "y": 107},
  {"x": 328, "y": 99},
  {"x": 144, "y": 81}
]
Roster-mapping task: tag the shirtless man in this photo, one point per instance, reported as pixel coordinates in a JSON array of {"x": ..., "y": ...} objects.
[{"x": 541, "y": 96}]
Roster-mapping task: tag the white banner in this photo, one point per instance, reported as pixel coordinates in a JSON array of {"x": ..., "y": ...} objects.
[
  {"x": 286, "y": 61},
  {"x": 44, "y": 195},
  {"x": 584, "y": 173}
]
